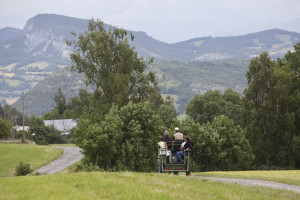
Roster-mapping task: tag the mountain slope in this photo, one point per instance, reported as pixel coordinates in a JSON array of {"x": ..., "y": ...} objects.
[
  {"x": 27, "y": 57},
  {"x": 43, "y": 39},
  {"x": 181, "y": 80},
  {"x": 7, "y": 33},
  {"x": 39, "y": 99}
]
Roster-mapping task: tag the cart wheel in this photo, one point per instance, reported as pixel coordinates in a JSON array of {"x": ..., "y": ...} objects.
[
  {"x": 159, "y": 167},
  {"x": 189, "y": 167}
]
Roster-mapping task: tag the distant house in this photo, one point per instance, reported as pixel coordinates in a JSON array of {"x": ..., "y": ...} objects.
[
  {"x": 20, "y": 128},
  {"x": 63, "y": 125}
]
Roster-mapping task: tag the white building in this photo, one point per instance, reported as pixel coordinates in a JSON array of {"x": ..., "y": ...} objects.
[{"x": 63, "y": 125}]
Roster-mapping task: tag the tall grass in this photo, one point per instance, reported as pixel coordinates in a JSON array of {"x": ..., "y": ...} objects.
[
  {"x": 36, "y": 156},
  {"x": 127, "y": 185}
]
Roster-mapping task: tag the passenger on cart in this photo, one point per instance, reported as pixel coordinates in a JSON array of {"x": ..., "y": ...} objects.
[
  {"x": 177, "y": 135},
  {"x": 187, "y": 146},
  {"x": 163, "y": 149}
]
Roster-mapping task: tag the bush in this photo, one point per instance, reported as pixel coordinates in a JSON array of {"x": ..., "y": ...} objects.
[
  {"x": 23, "y": 169},
  {"x": 86, "y": 166},
  {"x": 126, "y": 139}
]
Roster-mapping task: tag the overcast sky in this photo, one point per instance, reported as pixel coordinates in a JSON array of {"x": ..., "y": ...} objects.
[{"x": 166, "y": 20}]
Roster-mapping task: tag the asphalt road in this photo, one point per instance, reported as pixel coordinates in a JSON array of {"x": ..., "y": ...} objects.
[
  {"x": 250, "y": 182},
  {"x": 70, "y": 156}
]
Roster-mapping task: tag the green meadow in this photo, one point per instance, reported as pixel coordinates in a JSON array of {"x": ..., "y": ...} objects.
[
  {"x": 36, "y": 156},
  {"x": 126, "y": 185},
  {"x": 129, "y": 185}
]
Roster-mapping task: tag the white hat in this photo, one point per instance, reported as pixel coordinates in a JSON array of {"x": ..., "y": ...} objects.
[{"x": 176, "y": 129}]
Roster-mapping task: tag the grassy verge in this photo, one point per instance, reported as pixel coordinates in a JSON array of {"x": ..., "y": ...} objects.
[
  {"x": 127, "y": 185},
  {"x": 36, "y": 156},
  {"x": 285, "y": 176}
]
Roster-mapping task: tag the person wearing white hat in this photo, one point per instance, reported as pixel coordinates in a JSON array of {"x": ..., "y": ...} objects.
[{"x": 178, "y": 135}]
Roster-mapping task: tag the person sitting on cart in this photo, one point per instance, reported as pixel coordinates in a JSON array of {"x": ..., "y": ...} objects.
[
  {"x": 162, "y": 146},
  {"x": 187, "y": 146},
  {"x": 182, "y": 144},
  {"x": 177, "y": 135},
  {"x": 166, "y": 136}
]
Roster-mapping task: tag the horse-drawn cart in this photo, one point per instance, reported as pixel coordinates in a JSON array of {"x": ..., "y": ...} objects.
[{"x": 163, "y": 164}]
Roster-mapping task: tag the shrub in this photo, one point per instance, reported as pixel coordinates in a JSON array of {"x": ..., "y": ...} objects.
[
  {"x": 86, "y": 166},
  {"x": 23, "y": 169}
]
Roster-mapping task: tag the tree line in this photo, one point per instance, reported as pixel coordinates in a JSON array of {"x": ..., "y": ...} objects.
[
  {"x": 10, "y": 117},
  {"x": 121, "y": 121}
]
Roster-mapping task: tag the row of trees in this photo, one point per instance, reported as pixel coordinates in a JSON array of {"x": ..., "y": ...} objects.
[
  {"x": 9, "y": 117},
  {"x": 267, "y": 114},
  {"x": 122, "y": 120},
  {"x": 272, "y": 104}
]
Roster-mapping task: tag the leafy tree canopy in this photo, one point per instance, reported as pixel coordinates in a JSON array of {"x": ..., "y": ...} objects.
[
  {"x": 104, "y": 55},
  {"x": 5, "y": 128},
  {"x": 204, "y": 108},
  {"x": 220, "y": 145},
  {"x": 269, "y": 119},
  {"x": 126, "y": 138},
  {"x": 43, "y": 134},
  {"x": 60, "y": 101}
]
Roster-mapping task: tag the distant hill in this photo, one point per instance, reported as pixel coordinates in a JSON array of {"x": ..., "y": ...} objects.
[
  {"x": 28, "y": 56},
  {"x": 7, "y": 33},
  {"x": 39, "y": 99},
  {"x": 43, "y": 39},
  {"x": 181, "y": 80}
]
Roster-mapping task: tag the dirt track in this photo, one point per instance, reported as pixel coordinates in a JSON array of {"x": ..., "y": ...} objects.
[
  {"x": 250, "y": 182},
  {"x": 70, "y": 156}
]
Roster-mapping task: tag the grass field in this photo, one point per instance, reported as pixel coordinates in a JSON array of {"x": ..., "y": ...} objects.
[
  {"x": 10, "y": 67},
  {"x": 12, "y": 82},
  {"x": 36, "y": 156},
  {"x": 127, "y": 185},
  {"x": 283, "y": 176}
]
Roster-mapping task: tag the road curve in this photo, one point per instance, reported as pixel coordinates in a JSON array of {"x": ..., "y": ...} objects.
[
  {"x": 251, "y": 182},
  {"x": 70, "y": 156}
]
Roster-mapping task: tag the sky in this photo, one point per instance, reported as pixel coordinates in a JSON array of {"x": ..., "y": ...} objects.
[{"x": 165, "y": 20}]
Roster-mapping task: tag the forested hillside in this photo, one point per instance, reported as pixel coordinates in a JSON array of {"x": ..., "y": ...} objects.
[{"x": 178, "y": 79}]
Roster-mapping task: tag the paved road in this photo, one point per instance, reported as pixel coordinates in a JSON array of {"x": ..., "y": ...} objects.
[
  {"x": 271, "y": 184},
  {"x": 70, "y": 156}
]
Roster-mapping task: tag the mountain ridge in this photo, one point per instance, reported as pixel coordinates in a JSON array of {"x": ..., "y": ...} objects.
[
  {"x": 44, "y": 37},
  {"x": 30, "y": 55}
]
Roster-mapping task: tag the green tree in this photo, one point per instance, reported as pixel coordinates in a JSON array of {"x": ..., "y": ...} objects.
[
  {"x": 1, "y": 111},
  {"x": 220, "y": 145},
  {"x": 168, "y": 115},
  {"x": 13, "y": 115},
  {"x": 269, "y": 122},
  {"x": 5, "y": 128},
  {"x": 291, "y": 64},
  {"x": 38, "y": 129},
  {"x": 43, "y": 134},
  {"x": 204, "y": 108},
  {"x": 108, "y": 62},
  {"x": 60, "y": 101},
  {"x": 125, "y": 139},
  {"x": 81, "y": 104}
]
